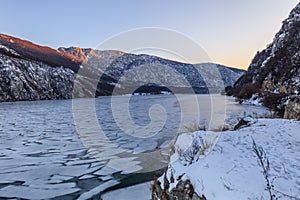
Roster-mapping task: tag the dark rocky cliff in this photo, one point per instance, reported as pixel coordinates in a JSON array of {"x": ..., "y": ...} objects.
[{"x": 274, "y": 73}]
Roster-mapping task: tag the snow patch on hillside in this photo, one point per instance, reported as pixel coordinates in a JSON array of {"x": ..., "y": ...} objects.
[{"x": 8, "y": 50}]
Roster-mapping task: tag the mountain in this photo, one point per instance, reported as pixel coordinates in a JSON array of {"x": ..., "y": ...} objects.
[
  {"x": 274, "y": 74},
  {"x": 30, "y": 51},
  {"x": 152, "y": 73},
  {"x": 33, "y": 72}
]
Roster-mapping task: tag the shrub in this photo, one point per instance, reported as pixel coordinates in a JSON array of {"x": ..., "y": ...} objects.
[
  {"x": 275, "y": 102},
  {"x": 205, "y": 147},
  {"x": 199, "y": 147},
  {"x": 229, "y": 91},
  {"x": 248, "y": 90}
]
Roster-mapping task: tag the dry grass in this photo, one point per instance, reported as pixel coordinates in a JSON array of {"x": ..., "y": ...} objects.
[
  {"x": 193, "y": 127},
  {"x": 221, "y": 128},
  {"x": 206, "y": 146}
]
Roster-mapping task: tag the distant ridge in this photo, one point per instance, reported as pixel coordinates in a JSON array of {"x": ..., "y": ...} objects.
[{"x": 32, "y": 72}]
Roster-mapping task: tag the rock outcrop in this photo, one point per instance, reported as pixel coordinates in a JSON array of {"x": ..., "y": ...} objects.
[
  {"x": 184, "y": 190},
  {"x": 292, "y": 110}
]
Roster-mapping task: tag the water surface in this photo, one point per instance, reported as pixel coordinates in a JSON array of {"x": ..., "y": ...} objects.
[{"x": 45, "y": 154}]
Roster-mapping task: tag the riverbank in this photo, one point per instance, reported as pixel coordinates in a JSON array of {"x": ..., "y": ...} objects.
[{"x": 232, "y": 170}]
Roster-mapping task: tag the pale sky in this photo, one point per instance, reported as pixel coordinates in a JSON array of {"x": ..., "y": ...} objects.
[{"x": 230, "y": 31}]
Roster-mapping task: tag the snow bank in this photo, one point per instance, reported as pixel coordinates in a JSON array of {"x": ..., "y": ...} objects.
[
  {"x": 230, "y": 170},
  {"x": 254, "y": 100}
]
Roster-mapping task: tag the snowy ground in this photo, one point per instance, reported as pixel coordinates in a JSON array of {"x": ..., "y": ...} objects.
[{"x": 230, "y": 170}]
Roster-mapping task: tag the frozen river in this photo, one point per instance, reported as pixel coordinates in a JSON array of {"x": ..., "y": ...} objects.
[{"x": 54, "y": 149}]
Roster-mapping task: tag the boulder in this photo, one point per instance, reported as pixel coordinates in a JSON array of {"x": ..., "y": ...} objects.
[{"x": 292, "y": 110}]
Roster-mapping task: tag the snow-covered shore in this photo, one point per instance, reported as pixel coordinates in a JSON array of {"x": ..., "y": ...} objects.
[{"x": 230, "y": 170}]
